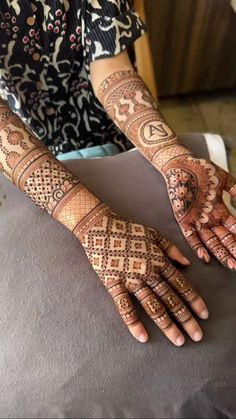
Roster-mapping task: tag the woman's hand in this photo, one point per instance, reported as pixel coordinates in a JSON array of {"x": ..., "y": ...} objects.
[
  {"x": 132, "y": 258},
  {"x": 195, "y": 188}
]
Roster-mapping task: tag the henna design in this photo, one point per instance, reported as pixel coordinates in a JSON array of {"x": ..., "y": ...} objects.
[
  {"x": 195, "y": 188},
  {"x": 34, "y": 170},
  {"x": 230, "y": 223},
  {"x": 127, "y": 256},
  {"x": 127, "y": 259},
  {"x": 131, "y": 106},
  {"x": 182, "y": 190}
]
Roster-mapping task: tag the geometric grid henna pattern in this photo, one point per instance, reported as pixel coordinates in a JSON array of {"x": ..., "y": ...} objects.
[
  {"x": 49, "y": 183},
  {"x": 128, "y": 258},
  {"x": 15, "y": 139},
  {"x": 195, "y": 186},
  {"x": 34, "y": 170}
]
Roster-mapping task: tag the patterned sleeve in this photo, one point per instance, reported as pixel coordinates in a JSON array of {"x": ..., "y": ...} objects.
[{"x": 108, "y": 27}]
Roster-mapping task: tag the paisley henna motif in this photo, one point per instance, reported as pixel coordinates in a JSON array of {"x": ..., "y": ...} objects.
[
  {"x": 195, "y": 189},
  {"x": 128, "y": 257},
  {"x": 182, "y": 190},
  {"x": 195, "y": 186}
]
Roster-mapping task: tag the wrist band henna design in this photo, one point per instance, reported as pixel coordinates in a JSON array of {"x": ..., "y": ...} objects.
[
  {"x": 194, "y": 186},
  {"x": 34, "y": 170},
  {"x": 128, "y": 257},
  {"x": 131, "y": 106}
]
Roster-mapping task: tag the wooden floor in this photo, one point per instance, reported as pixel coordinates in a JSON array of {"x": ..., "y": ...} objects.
[{"x": 214, "y": 112}]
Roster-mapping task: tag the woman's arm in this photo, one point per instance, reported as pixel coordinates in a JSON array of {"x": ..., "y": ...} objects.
[
  {"x": 195, "y": 185},
  {"x": 118, "y": 249},
  {"x": 32, "y": 168}
]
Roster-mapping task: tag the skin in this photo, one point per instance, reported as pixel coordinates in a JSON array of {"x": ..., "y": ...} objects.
[
  {"x": 128, "y": 257},
  {"x": 195, "y": 186},
  {"x": 146, "y": 272}
]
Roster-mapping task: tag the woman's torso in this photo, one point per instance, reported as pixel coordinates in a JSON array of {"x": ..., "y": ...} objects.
[{"x": 45, "y": 77}]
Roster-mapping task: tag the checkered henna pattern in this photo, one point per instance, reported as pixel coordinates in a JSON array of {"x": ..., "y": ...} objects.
[
  {"x": 129, "y": 260},
  {"x": 34, "y": 170},
  {"x": 128, "y": 257},
  {"x": 195, "y": 186}
]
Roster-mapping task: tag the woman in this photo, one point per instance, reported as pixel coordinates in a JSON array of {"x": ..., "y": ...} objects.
[{"x": 67, "y": 83}]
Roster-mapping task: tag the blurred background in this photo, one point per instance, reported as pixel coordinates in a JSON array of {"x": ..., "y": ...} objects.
[{"x": 193, "y": 45}]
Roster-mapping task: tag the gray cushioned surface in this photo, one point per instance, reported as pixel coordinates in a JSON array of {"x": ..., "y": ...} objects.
[{"x": 64, "y": 352}]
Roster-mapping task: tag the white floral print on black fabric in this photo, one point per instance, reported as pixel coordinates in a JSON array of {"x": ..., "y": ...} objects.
[{"x": 46, "y": 47}]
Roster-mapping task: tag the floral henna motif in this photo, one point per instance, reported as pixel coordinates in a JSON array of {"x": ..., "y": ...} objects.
[
  {"x": 182, "y": 187},
  {"x": 127, "y": 258},
  {"x": 195, "y": 188}
]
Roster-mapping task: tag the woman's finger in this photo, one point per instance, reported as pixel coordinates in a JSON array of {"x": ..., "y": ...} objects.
[
  {"x": 159, "y": 239},
  {"x": 175, "y": 254},
  {"x": 217, "y": 248},
  {"x": 226, "y": 238},
  {"x": 197, "y": 246},
  {"x": 169, "y": 248},
  {"x": 230, "y": 224},
  {"x": 156, "y": 310},
  {"x": 127, "y": 311},
  {"x": 177, "y": 308},
  {"x": 186, "y": 291},
  {"x": 230, "y": 185}
]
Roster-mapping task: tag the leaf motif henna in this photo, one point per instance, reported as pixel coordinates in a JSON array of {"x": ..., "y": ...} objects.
[
  {"x": 125, "y": 255},
  {"x": 182, "y": 187},
  {"x": 195, "y": 188},
  {"x": 195, "y": 185}
]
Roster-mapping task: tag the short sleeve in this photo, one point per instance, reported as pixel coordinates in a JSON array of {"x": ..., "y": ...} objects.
[{"x": 108, "y": 27}]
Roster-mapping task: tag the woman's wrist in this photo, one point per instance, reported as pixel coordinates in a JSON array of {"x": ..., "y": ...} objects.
[
  {"x": 165, "y": 155},
  {"x": 46, "y": 181}
]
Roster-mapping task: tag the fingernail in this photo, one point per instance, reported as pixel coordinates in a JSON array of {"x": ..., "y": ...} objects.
[
  {"x": 143, "y": 338},
  {"x": 197, "y": 336},
  {"x": 204, "y": 314},
  {"x": 180, "y": 341},
  {"x": 186, "y": 260},
  {"x": 232, "y": 263}
]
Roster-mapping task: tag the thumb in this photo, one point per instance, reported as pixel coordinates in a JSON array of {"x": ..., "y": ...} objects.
[{"x": 175, "y": 254}]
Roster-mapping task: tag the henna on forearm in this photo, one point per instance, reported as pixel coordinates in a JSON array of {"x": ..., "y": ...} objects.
[
  {"x": 195, "y": 186},
  {"x": 128, "y": 102},
  {"x": 128, "y": 257},
  {"x": 34, "y": 170}
]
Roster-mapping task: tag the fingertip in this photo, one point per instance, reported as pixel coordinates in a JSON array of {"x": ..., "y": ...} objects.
[
  {"x": 185, "y": 261},
  {"x": 198, "y": 336},
  {"x": 203, "y": 255},
  {"x": 180, "y": 341},
  {"x": 204, "y": 314},
  {"x": 143, "y": 338},
  {"x": 176, "y": 254},
  {"x": 139, "y": 332}
]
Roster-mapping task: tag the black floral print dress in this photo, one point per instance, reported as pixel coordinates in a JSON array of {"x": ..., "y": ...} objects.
[{"x": 46, "y": 47}]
